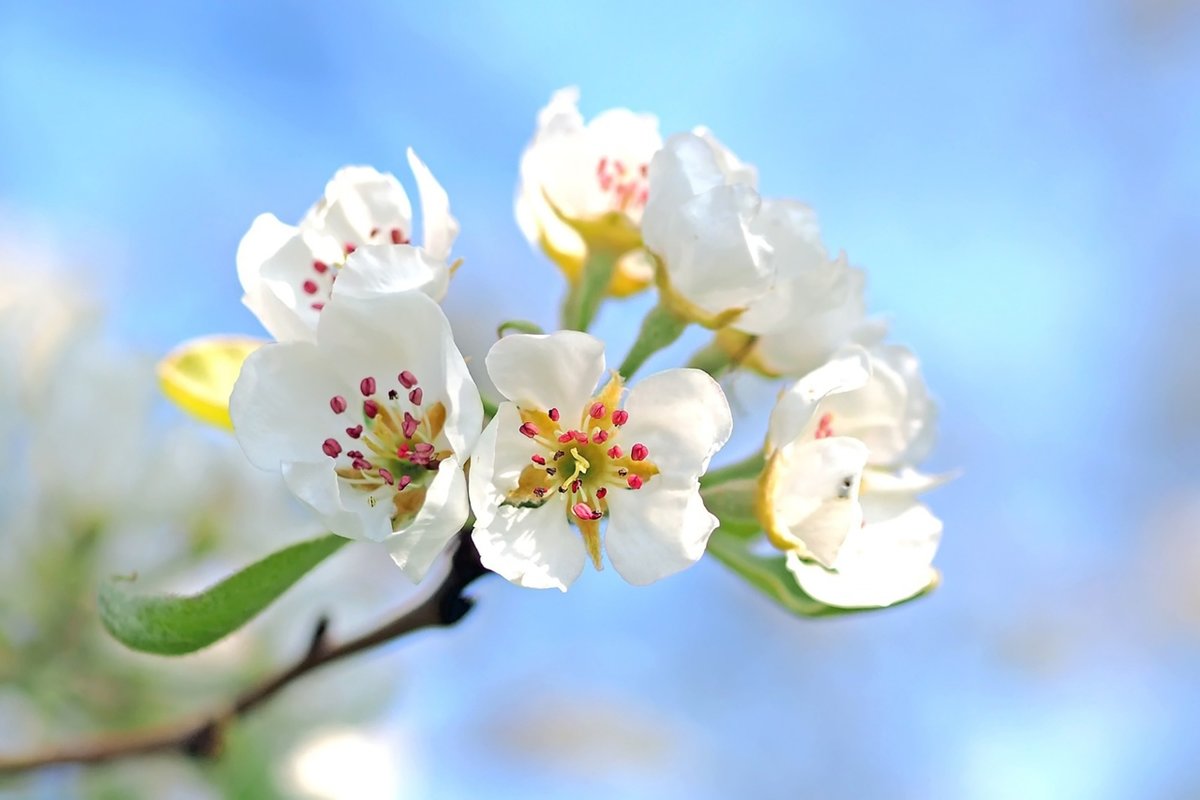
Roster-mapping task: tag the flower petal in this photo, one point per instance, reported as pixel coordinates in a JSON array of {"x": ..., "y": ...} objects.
[
  {"x": 532, "y": 547},
  {"x": 886, "y": 561},
  {"x": 273, "y": 262},
  {"x": 440, "y": 228},
  {"x": 382, "y": 268},
  {"x": 657, "y": 530},
  {"x": 415, "y": 547},
  {"x": 794, "y": 412},
  {"x": 381, "y": 335},
  {"x": 558, "y": 370},
  {"x": 344, "y": 511},
  {"x": 198, "y": 375},
  {"x": 891, "y": 413},
  {"x": 359, "y": 200},
  {"x": 682, "y": 416},
  {"x": 811, "y": 495},
  {"x": 280, "y": 404}
]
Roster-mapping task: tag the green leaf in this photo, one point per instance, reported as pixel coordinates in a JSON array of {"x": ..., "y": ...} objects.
[
  {"x": 770, "y": 575},
  {"x": 174, "y": 625}
]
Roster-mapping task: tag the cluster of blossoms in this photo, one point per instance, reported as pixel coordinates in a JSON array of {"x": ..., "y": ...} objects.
[{"x": 366, "y": 405}]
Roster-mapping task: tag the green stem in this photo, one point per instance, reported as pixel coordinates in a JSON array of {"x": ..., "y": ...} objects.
[
  {"x": 585, "y": 295},
  {"x": 659, "y": 329}
]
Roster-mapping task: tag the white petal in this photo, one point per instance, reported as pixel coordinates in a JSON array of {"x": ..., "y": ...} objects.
[
  {"x": 734, "y": 169},
  {"x": 884, "y": 562},
  {"x": 347, "y": 513},
  {"x": 359, "y": 200},
  {"x": 558, "y": 370},
  {"x": 682, "y": 417},
  {"x": 657, "y": 530},
  {"x": 416, "y": 547},
  {"x": 795, "y": 410},
  {"x": 273, "y": 262},
  {"x": 532, "y": 547},
  {"x": 712, "y": 258},
  {"x": 280, "y": 404},
  {"x": 439, "y": 226},
  {"x": 906, "y": 481},
  {"x": 381, "y": 335},
  {"x": 814, "y": 500},
  {"x": 382, "y": 268},
  {"x": 891, "y": 413}
]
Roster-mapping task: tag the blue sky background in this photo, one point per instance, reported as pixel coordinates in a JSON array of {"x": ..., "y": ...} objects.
[{"x": 1021, "y": 181}]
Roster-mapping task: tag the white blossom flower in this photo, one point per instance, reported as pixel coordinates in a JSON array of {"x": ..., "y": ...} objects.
[
  {"x": 363, "y": 223},
  {"x": 561, "y": 453},
  {"x": 839, "y": 484},
  {"x": 886, "y": 560},
  {"x": 592, "y": 177},
  {"x": 371, "y": 423},
  {"x": 699, "y": 221},
  {"x": 816, "y": 306}
]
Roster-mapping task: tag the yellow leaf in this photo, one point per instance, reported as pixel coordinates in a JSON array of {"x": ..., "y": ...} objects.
[{"x": 198, "y": 375}]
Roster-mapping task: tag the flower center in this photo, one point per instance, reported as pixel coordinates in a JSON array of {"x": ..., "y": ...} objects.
[
  {"x": 580, "y": 463},
  {"x": 626, "y": 186},
  {"x": 318, "y": 286},
  {"x": 392, "y": 447}
]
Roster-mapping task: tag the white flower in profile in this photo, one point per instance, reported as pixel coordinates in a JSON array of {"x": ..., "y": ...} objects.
[
  {"x": 363, "y": 223},
  {"x": 699, "y": 222},
  {"x": 560, "y": 453},
  {"x": 816, "y": 306},
  {"x": 585, "y": 185},
  {"x": 839, "y": 486},
  {"x": 370, "y": 424}
]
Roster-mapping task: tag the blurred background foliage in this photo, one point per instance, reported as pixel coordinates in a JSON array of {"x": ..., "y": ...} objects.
[{"x": 1020, "y": 182}]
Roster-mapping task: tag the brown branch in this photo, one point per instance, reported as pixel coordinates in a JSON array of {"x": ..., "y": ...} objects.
[{"x": 203, "y": 737}]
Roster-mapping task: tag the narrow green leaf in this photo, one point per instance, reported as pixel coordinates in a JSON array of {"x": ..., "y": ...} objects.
[
  {"x": 770, "y": 575},
  {"x": 174, "y": 624}
]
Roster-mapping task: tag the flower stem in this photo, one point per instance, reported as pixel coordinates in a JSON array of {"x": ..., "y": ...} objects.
[
  {"x": 585, "y": 295},
  {"x": 659, "y": 329}
]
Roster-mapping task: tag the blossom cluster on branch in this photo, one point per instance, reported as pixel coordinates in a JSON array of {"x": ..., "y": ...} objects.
[{"x": 364, "y": 403}]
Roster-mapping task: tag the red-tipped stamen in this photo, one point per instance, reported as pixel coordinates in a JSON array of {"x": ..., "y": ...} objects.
[
  {"x": 634, "y": 481},
  {"x": 367, "y": 386},
  {"x": 528, "y": 429},
  {"x": 338, "y": 404},
  {"x": 331, "y": 448},
  {"x": 639, "y": 452},
  {"x": 407, "y": 379},
  {"x": 620, "y": 417}
]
